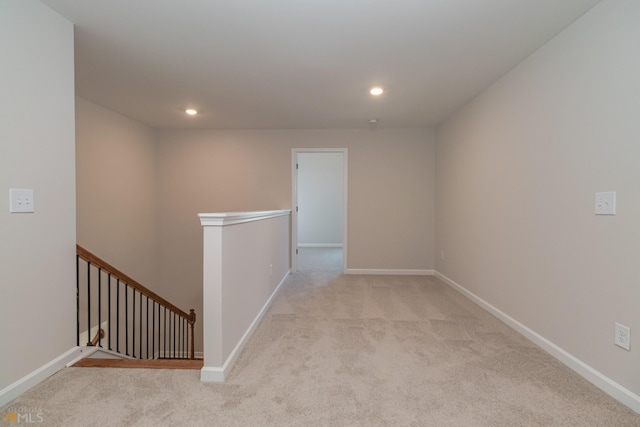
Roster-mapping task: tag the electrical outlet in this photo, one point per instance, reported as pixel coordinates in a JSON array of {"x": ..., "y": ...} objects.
[
  {"x": 622, "y": 336},
  {"x": 20, "y": 200},
  {"x": 606, "y": 203}
]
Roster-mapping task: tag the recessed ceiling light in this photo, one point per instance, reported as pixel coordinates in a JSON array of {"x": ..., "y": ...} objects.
[
  {"x": 376, "y": 91},
  {"x": 191, "y": 111}
]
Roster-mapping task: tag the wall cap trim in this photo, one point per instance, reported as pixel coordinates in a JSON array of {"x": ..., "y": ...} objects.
[{"x": 230, "y": 218}]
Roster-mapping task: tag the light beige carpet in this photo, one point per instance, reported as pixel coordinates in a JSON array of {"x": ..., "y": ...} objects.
[{"x": 340, "y": 350}]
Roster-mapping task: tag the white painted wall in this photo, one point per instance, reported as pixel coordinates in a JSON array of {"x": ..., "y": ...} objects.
[
  {"x": 517, "y": 171},
  {"x": 116, "y": 190},
  {"x": 37, "y": 251},
  {"x": 320, "y": 199}
]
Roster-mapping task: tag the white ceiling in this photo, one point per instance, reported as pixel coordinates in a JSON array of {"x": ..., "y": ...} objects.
[{"x": 301, "y": 63}]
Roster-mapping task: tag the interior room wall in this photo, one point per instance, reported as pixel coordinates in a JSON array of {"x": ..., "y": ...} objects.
[
  {"x": 116, "y": 190},
  {"x": 320, "y": 199},
  {"x": 390, "y": 184},
  {"x": 37, "y": 253},
  {"x": 517, "y": 173}
]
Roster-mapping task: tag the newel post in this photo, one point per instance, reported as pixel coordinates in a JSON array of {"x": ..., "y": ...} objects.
[{"x": 192, "y": 321}]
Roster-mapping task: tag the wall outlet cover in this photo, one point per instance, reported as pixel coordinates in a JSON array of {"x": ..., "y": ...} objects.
[
  {"x": 622, "y": 336},
  {"x": 606, "y": 203},
  {"x": 20, "y": 200}
]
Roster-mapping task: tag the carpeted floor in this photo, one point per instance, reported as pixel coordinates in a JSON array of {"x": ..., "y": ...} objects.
[{"x": 340, "y": 350}]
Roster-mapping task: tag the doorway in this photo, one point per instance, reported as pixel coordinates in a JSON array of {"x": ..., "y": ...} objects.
[{"x": 319, "y": 200}]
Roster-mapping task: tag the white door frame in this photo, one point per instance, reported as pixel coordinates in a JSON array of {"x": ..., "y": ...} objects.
[{"x": 294, "y": 201}]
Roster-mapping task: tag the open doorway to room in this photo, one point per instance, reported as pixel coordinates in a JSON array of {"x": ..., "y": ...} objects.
[{"x": 319, "y": 220}]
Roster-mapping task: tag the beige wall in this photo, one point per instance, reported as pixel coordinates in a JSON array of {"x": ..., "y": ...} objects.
[
  {"x": 391, "y": 194},
  {"x": 116, "y": 190},
  {"x": 37, "y": 263},
  {"x": 517, "y": 172}
]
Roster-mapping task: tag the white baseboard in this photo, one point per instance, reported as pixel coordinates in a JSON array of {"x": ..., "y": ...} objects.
[
  {"x": 390, "y": 272},
  {"x": 604, "y": 383},
  {"x": 212, "y": 375},
  {"x": 218, "y": 374},
  {"x": 104, "y": 353},
  {"x": 319, "y": 245},
  {"x": 14, "y": 390}
]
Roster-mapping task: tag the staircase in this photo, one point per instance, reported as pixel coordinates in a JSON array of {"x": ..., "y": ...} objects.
[
  {"x": 91, "y": 362},
  {"x": 132, "y": 327}
]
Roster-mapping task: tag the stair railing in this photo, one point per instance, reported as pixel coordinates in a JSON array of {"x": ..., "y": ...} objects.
[{"x": 134, "y": 320}]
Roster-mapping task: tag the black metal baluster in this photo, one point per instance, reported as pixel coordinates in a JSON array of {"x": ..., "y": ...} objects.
[
  {"x": 133, "y": 324},
  {"x": 147, "y": 327},
  {"x": 109, "y": 312},
  {"x": 118, "y": 316},
  {"x": 89, "y": 304},
  {"x": 99, "y": 306},
  {"x": 174, "y": 335},
  {"x": 153, "y": 334},
  {"x": 164, "y": 346},
  {"x": 140, "y": 323},
  {"x": 159, "y": 330},
  {"x": 126, "y": 319}
]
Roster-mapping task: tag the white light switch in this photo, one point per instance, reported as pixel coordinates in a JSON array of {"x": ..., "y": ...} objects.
[
  {"x": 20, "y": 200},
  {"x": 606, "y": 203}
]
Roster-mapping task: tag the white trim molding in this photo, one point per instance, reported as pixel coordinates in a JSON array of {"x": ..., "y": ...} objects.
[
  {"x": 294, "y": 202},
  {"x": 14, "y": 390},
  {"x": 390, "y": 272},
  {"x": 231, "y": 218},
  {"x": 91, "y": 352},
  {"x": 319, "y": 245},
  {"x": 595, "y": 377}
]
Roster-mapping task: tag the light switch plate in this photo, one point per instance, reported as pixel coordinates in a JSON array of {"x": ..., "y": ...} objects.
[
  {"x": 606, "y": 203},
  {"x": 20, "y": 200}
]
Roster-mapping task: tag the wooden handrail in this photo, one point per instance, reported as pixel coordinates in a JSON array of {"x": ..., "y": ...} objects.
[
  {"x": 93, "y": 259},
  {"x": 98, "y": 337}
]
